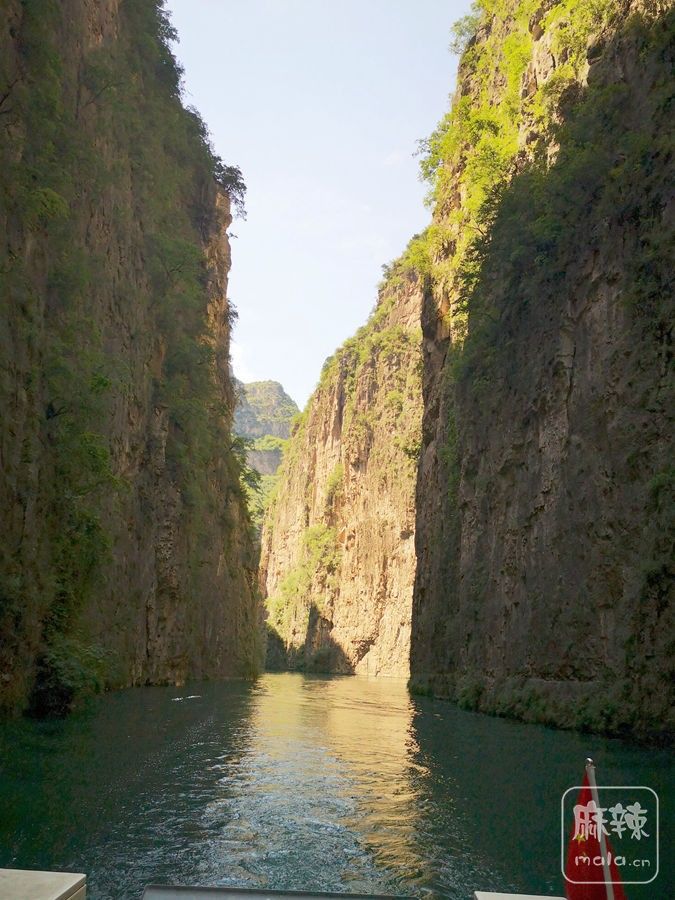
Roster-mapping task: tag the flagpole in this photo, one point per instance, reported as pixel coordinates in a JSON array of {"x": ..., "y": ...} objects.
[{"x": 609, "y": 887}]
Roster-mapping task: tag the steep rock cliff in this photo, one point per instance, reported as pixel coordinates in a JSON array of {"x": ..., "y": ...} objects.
[
  {"x": 544, "y": 527},
  {"x": 126, "y": 555},
  {"x": 337, "y": 562}
]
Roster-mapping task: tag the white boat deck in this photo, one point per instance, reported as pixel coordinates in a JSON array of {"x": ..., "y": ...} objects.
[
  {"x": 488, "y": 895},
  {"x": 24, "y": 884},
  {"x": 161, "y": 892}
]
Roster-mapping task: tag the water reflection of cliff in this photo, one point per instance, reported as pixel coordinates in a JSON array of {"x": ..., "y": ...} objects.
[
  {"x": 349, "y": 771},
  {"x": 490, "y": 816}
]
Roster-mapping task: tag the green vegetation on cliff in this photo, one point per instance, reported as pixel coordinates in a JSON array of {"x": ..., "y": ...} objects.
[
  {"x": 473, "y": 152},
  {"x": 608, "y": 170},
  {"x": 298, "y": 591}
]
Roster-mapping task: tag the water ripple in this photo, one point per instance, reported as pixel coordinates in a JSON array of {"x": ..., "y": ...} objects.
[{"x": 296, "y": 782}]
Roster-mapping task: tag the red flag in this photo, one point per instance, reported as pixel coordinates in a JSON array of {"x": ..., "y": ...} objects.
[{"x": 590, "y": 857}]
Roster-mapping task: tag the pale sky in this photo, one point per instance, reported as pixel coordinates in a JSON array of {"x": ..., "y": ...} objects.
[{"x": 321, "y": 104}]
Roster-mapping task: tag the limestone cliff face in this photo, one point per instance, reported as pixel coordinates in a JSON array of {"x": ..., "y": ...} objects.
[
  {"x": 544, "y": 497},
  {"x": 337, "y": 562},
  {"x": 126, "y": 556}
]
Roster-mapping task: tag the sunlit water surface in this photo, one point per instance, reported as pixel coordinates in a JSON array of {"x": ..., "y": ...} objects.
[{"x": 301, "y": 782}]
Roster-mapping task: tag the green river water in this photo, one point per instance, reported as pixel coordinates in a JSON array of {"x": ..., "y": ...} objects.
[{"x": 303, "y": 782}]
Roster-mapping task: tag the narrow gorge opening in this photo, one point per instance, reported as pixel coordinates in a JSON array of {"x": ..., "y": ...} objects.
[
  {"x": 437, "y": 514},
  {"x": 337, "y": 562}
]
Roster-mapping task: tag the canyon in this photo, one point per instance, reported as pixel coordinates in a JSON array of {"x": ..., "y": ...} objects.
[
  {"x": 541, "y": 582},
  {"x": 478, "y": 496}
]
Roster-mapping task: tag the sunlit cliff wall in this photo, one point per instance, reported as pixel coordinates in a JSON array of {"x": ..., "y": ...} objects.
[{"x": 338, "y": 561}]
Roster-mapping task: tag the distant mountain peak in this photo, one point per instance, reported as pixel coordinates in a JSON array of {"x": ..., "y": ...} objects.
[{"x": 263, "y": 408}]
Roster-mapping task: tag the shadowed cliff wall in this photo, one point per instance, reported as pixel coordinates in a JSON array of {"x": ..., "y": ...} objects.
[
  {"x": 126, "y": 556},
  {"x": 544, "y": 527}
]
